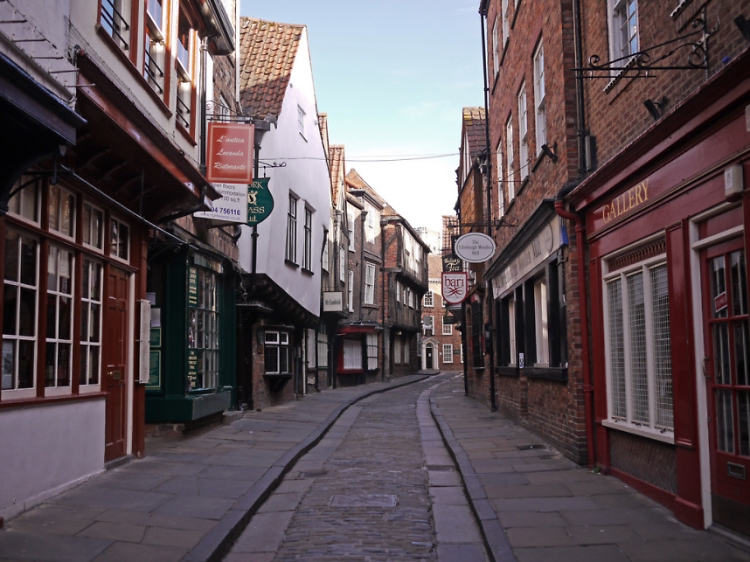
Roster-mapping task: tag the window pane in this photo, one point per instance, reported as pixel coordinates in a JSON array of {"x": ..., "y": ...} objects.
[
  {"x": 28, "y": 261},
  {"x": 722, "y": 372},
  {"x": 27, "y": 316},
  {"x": 54, "y": 204},
  {"x": 94, "y": 365},
  {"x": 85, "y": 282},
  {"x": 84, "y": 367},
  {"x": 742, "y": 352},
  {"x": 724, "y": 421},
  {"x": 66, "y": 316},
  {"x": 638, "y": 365},
  {"x": 65, "y": 271},
  {"x": 662, "y": 348},
  {"x": 123, "y": 242},
  {"x": 616, "y": 348},
  {"x": 114, "y": 237},
  {"x": 51, "y": 316},
  {"x": 67, "y": 221},
  {"x": 26, "y": 353},
  {"x": 11, "y": 255},
  {"x": 9, "y": 361},
  {"x": 63, "y": 364},
  {"x": 29, "y": 197},
  {"x": 95, "y": 323},
  {"x": 49, "y": 365},
  {"x": 10, "y": 298},
  {"x": 97, "y": 219},
  {"x": 739, "y": 283},
  {"x": 52, "y": 268},
  {"x": 271, "y": 359},
  {"x": 718, "y": 284},
  {"x": 96, "y": 285},
  {"x": 744, "y": 409},
  {"x": 284, "y": 359},
  {"x": 86, "y": 224}
]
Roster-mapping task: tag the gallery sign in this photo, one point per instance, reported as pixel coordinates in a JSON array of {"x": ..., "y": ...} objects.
[
  {"x": 455, "y": 286},
  {"x": 333, "y": 301},
  {"x": 475, "y": 247},
  {"x": 259, "y": 202},
  {"x": 230, "y": 153},
  {"x": 231, "y": 208},
  {"x": 452, "y": 263}
]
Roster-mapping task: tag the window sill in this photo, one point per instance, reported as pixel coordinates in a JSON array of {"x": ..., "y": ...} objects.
[
  {"x": 309, "y": 272},
  {"x": 290, "y": 263},
  {"x": 524, "y": 183},
  {"x": 648, "y": 433},
  {"x": 556, "y": 374},
  {"x": 186, "y": 134},
  {"x": 516, "y": 9},
  {"x": 26, "y": 402},
  {"x": 367, "y": 305},
  {"x": 538, "y": 160},
  {"x": 509, "y": 371}
]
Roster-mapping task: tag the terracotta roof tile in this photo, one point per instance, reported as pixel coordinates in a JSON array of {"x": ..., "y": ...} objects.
[
  {"x": 474, "y": 127},
  {"x": 267, "y": 53},
  {"x": 337, "y": 160}
]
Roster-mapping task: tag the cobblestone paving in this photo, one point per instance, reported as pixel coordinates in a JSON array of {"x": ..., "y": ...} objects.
[{"x": 374, "y": 450}]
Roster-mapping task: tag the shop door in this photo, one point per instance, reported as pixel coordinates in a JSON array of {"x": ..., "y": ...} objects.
[
  {"x": 115, "y": 362},
  {"x": 727, "y": 372},
  {"x": 428, "y": 357}
]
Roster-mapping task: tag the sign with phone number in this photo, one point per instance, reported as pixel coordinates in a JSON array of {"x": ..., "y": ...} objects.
[{"x": 231, "y": 208}]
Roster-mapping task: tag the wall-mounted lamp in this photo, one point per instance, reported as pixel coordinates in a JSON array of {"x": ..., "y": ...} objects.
[
  {"x": 550, "y": 152},
  {"x": 744, "y": 26},
  {"x": 656, "y": 108}
]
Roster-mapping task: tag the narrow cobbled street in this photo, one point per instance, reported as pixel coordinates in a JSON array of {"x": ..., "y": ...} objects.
[{"x": 372, "y": 489}]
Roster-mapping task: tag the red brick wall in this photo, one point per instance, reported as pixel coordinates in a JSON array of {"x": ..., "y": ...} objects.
[{"x": 262, "y": 395}]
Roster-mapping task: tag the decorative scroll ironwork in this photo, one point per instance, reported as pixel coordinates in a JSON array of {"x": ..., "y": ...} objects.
[
  {"x": 226, "y": 114},
  {"x": 640, "y": 64}
]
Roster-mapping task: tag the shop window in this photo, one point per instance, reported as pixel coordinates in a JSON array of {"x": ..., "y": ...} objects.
[
  {"x": 25, "y": 202},
  {"x": 637, "y": 345},
  {"x": 523, "y": 133},
  {"x": 541, "y": 326},
  {"x": 477, "y": 335},
  {"x": 369, "y": 283},
  {"x": 428, "y": 299},
  {"x": 291, "y": 230},
  {"x": 511, "y": 176},
  {"x": 623, "y": 33},
  {"x": 307, "y": 257},
  {"x": 447, "y": 329},
  {"x": 352, "y": 355},
  {"x": 372, "y": 352},
  {"x": 91, "y": 322},
  {"x": 120, "y": 240},
  {"x": 397, "y": 350},
  {"x": 20, "y": 311},
  {"x": 62, "y": 209},
  {"x": 350, "y": 225},
  {"x": 276, "y": 353},
  {"x": 351, "y": 291},
  {"x": 114, "y": 18},
  {"x": 203, "y": 329},
  {"x": 447, "y": 353},
  {"x": 540, "y": 98},
  {"x": 322, "y": 347},
  {"x": 59, "y": 360},
  {"x": 93, "y": 226}
]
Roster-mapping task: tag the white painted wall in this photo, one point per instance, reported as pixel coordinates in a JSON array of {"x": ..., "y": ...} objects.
[
  {"x": 308, "y": 179},
  {"x": 46, "y": 449}
]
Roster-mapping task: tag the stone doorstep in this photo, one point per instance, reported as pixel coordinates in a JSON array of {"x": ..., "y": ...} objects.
[{"x": 187, "y": 429}]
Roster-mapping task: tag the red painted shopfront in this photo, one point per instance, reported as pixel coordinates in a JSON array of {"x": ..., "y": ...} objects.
[{"x": 666, "y": 250}]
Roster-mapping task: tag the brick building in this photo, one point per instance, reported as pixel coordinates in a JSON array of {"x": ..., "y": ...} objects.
[
  {"x": 643, "y": 153},
  {"x": 441, "y": 340}
]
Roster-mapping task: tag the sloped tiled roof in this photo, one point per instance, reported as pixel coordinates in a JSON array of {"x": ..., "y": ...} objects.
[
  {"x": 337, "y": 160},
  {"x": 267, "y": 53},
  {"x": 323, "y": 126},
  {"x": 474, "y": 127},
  {"x": 355, "y": 181}
]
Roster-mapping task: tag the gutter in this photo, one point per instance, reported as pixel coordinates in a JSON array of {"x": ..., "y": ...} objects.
[{"x": 588, "y": 387}]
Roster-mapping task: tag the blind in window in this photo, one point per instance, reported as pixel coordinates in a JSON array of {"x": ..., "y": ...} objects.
[{"x": 352, "y": 354}]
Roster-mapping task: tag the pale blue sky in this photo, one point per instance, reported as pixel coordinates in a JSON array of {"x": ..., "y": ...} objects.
[{"x": 393, "y": 76}]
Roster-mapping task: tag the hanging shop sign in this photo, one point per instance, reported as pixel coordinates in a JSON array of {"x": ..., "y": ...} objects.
[
  {"x": 452, "y": 263},
  {"x": 231, "y": 208},
  {"x": 230, "y": 153},
  {"x": 454, "y": 286},
  {"x": 475, "y": 247},
  {"x": 333, "y": 301},
  {"x": 259, "y": 202}
]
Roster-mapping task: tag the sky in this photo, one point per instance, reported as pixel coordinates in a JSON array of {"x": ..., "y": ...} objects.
[{"x": 393, "y": 76}]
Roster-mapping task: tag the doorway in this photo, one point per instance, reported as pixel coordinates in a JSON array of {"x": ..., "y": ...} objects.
[
  {"x": 115, "y": 350},
  {"x": 726, "y": 368},
  {"x": 429, "y": 364}
]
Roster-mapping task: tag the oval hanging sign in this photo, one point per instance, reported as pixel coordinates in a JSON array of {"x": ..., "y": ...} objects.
[
  {"x": 475, "y": 247},
  {"x": 259, "y": 202}
]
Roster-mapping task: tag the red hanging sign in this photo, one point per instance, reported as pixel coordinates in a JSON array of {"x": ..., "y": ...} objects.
[
  {"x": 230, "y": 153},
  {"x": 455, "y": 286}
]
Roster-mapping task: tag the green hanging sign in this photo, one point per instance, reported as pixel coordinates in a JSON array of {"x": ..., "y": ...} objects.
[{"x": 259, "y": 202}]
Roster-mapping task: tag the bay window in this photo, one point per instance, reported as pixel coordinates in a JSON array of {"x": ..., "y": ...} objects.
[
  {"x": 203, "y": 329},
  {"x": 276, "y": 353}
]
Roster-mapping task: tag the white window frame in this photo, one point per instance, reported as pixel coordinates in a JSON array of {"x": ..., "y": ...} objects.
[
  {"x": 540, "y": 95},
  {"x": 31, "y": 195},
  {"x": 495, "y": 48},
  {"x": 351, "y": 291},
  {"x": 62, "y": 192},
  {"x": 352, "y": 354},
  {"x": 429, "y": 323},
  {"x": 447, "y": 352},
  {"x": 370, "y": 223},
  {"x": 350, "y": 224},
  {"x": 342, "y": 264},
  {"x": 88, "y": 226},
  {"x": 322, "y": 350},
  {"x": 523, "y": 133},
  {"x": 541, "y": 327},
  {"x": 625, "y": 423},
  {"x": 511, "y": 176},
  {"x": 115, "y": 250},
  {"x": 619, "y": 47},
  {"x": 506, "y": 22},
  {"x": 428, "y": 300},
  {"x": 291, "y": 230},
  {"x": 307, "y": 256},
  {"x": 369, "y": 283},
  {"x": 371, "y": 340},
  {"x": 90, "y": 343},
  {"x": 325, "y": 257},
  {"x": 280, "y": 341},
  {"x": 53, "y": 388},
  {"x": 301, "y": 122},
  {"x": 15, "y": 339},
  {"x": 447, "y": 329},
  {"x": 500, "y": 180}
]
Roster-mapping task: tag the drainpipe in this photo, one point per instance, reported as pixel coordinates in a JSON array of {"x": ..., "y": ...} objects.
[
  {"x": 488, "y": 171},
  {"x": 581, "y": 132},
  {"x": 384, "y": 305},
  {"x": 363, "y": 218},
  {"x": 588, "y": 388}
]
